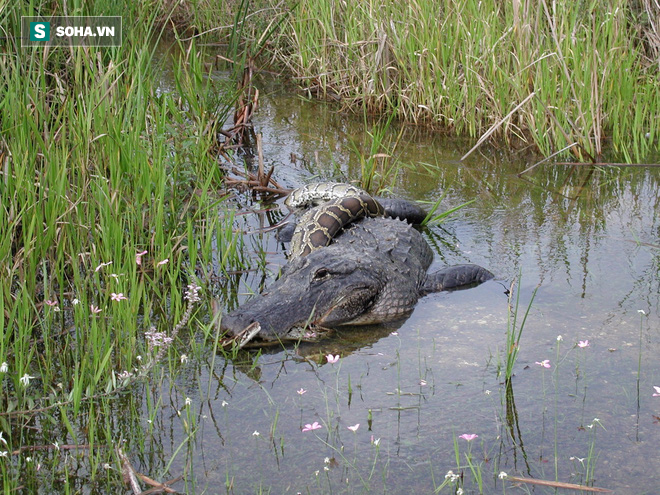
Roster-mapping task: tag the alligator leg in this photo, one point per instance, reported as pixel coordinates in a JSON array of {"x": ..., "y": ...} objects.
[{"x": 455, "y": 278}]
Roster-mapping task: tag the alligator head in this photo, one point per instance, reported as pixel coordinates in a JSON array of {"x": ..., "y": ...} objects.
[{"x": 328, "y": 288}]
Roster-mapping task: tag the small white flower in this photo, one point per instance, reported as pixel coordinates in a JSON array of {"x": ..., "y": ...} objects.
[
  {"x": 316, "y": 473},
  {"x": 28, "y": 459},
  {"x": 183, "y": 358},
  {"x": 75, "y": 301},
  {"x": 138, "y": 358},
  {"x": 107, "y": 466},
  {"x": 224, "y": 403},
  {"x": 326, "y": 468},
  {"x": 422, "y": 382},
  {"x": 4, "y": 367},
  {"x": 102, "y": 265},
  {"x": 502, "y": 474},
  {"x": 326, "y": 460},
  {"x": 459, "y": 491},
  {"x": 256, "y": 433},
  {"x": 559, "y": 339},
  {"x": 56, "y": 445},
  {"x": 2, "y": 439},
  {"x": 192, "y": 294},
  {"x": 641, "y": 311},
  {"x": 25, "y": 379},
  {"x": 188, "y": 401},
  {"x": 451, "y": 476},
  {"x": 376, "y": 442},
  {"x": 124, "y": 375},
  {"x": 4, "y": 454}
]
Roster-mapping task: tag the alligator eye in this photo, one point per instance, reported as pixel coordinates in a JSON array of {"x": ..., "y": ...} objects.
[{"x": 321, "y": 274}]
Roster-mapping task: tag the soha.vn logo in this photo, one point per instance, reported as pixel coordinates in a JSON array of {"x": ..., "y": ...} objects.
[
  {"x": 71, "y": 31},
  {"x": 40, "y": 31}
]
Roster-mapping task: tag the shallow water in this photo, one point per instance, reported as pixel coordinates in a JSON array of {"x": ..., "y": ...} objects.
[{"x": 587, "y": 238}]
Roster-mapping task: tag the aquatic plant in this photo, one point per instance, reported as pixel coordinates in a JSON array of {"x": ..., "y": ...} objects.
[{"x": 514, "y": 331}]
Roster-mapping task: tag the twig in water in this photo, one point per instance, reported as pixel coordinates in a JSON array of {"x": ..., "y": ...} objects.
[
  {"x": 546, "y": 159},
  {"x": 558, "y": 484},
  {"x": 128, "y": 472}
]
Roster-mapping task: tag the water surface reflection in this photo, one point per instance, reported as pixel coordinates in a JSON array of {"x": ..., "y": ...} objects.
[{"x": 587, "y": 237}]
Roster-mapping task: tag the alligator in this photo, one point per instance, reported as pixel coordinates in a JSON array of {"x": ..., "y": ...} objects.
[{"x": 373, "y": 269}]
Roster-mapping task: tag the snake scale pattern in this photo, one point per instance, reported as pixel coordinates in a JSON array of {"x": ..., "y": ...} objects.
[{"x": 337, "y": 205}]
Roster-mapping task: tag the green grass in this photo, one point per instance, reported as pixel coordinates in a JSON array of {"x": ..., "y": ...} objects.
[
  {"x": 515, "y": 329},
  {"x": 464, "y": 65},
  {"x": 97, "y": 166}
]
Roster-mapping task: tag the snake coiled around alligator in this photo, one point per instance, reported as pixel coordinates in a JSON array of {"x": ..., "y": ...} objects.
[{"x": 336, "y": 205}]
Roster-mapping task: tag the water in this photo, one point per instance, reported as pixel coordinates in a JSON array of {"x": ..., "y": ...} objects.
[{"x": 587, "y": 238}]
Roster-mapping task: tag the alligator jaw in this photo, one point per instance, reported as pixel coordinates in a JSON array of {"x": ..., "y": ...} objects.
[
  {"x": 246, "y": 335},
  {"x": 249, "y": 336}
]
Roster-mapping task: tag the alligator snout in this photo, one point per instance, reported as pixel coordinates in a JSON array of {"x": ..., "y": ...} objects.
[{"x": 236, "y": 323}]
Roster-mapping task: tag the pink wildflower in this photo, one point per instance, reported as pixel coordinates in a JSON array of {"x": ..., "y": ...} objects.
[
  {"x": 545, "y": 363},
  {"x": 583, "y": 343},
  {"x": 332, "y": 359},
  {"x": 314, "y": 426},
  {"x": 138, "y": 257},
  {"x": 468, "y": 436}
]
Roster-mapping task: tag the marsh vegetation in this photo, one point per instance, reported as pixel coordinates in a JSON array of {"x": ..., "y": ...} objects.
[{"x": 116, "y": 208}]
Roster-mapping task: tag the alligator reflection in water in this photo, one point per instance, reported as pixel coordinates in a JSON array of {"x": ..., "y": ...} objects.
[
  {"x": 345, "y": 341},
  {"x": 374, "y": 271}
]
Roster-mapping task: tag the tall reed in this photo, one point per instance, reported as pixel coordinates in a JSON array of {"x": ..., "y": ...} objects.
[
  {"x": 106, "y": 188},
  {"x": 464, "y": 65}
]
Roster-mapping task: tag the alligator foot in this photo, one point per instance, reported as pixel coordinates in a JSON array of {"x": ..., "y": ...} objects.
[{"x": 456, "y": 277}]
